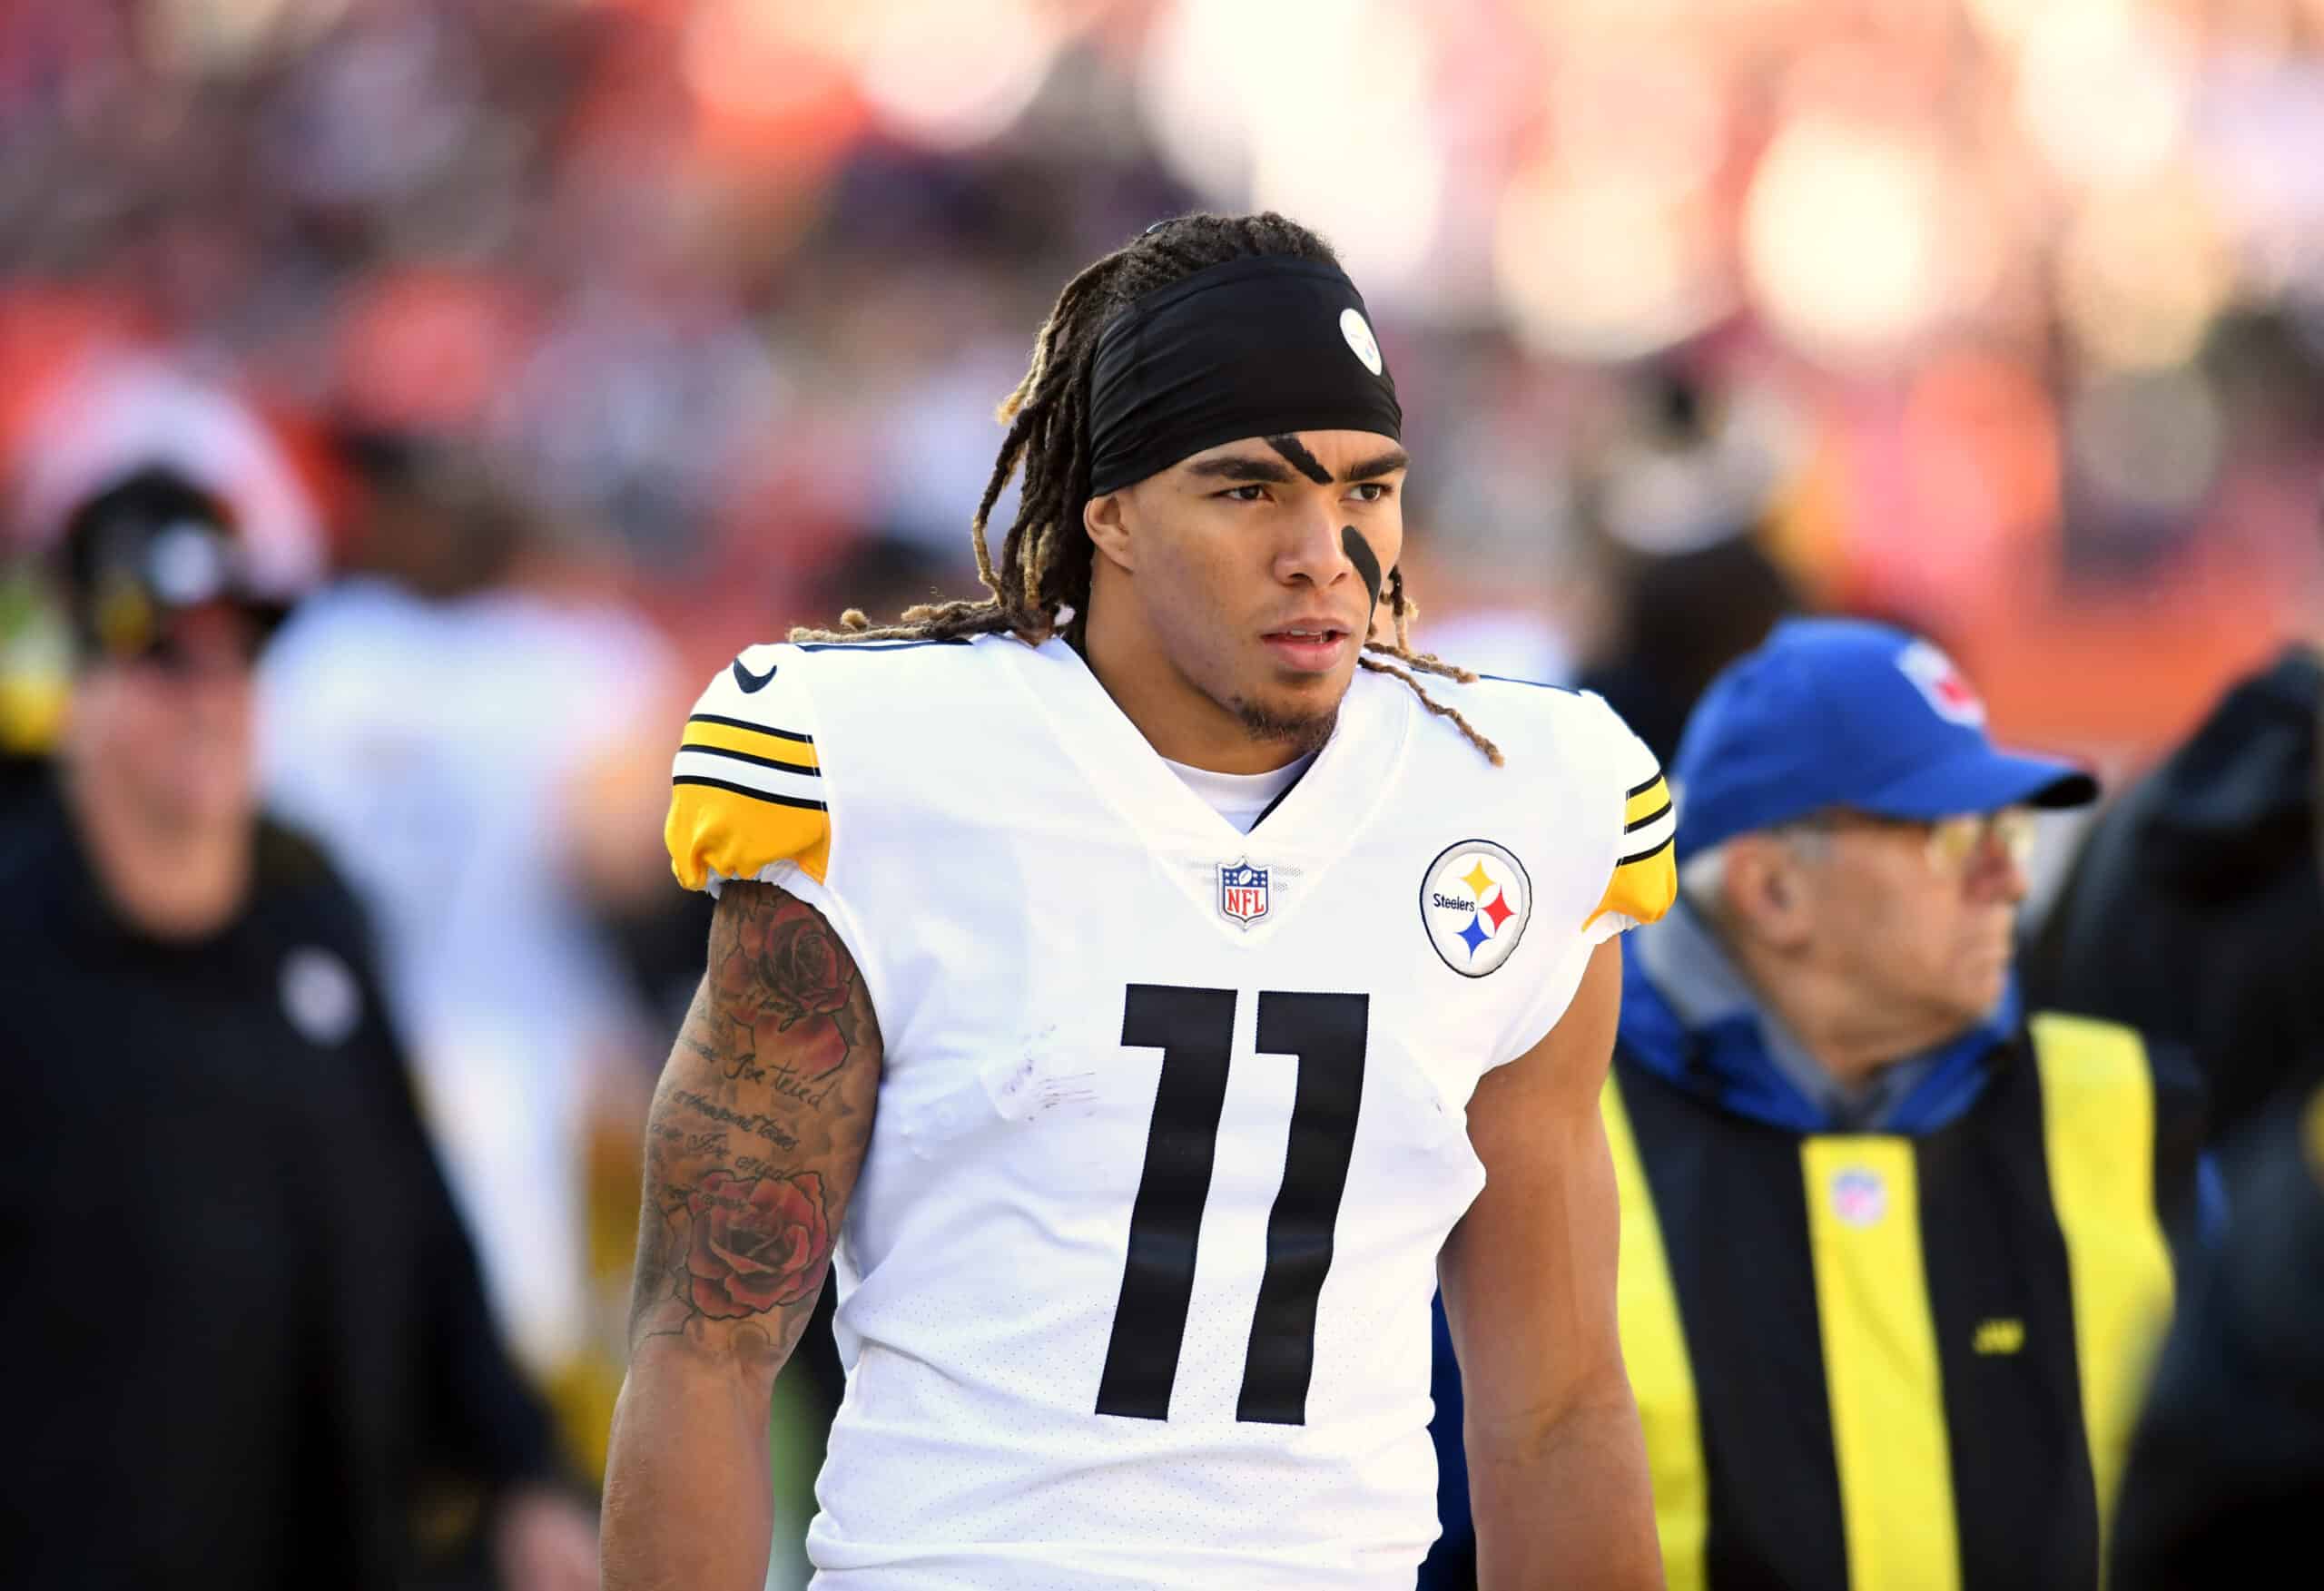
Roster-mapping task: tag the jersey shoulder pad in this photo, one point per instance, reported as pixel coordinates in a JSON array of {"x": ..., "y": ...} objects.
[
  {"x": 746, "y": 787},
  {"x": 1644, "y": 879}
]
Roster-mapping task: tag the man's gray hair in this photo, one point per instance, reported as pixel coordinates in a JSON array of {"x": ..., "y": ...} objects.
[{"x": 1702, "y": 881}]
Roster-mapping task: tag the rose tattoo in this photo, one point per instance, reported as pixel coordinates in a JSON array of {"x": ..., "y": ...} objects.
[
  {"x": 787, "y": 973},
  {"x": 754, "y": 1244}
]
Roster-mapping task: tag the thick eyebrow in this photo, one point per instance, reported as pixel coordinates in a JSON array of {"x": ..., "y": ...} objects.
[
  {"x": 1236, "y": 468},
  {"x": 1387, "y": 463}
]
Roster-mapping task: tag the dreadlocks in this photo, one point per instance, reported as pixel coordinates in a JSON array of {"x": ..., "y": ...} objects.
[{"x": 1044, "y": 566}]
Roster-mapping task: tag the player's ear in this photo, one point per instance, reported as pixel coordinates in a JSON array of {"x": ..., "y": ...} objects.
[{"x": 1107, "y": 522}]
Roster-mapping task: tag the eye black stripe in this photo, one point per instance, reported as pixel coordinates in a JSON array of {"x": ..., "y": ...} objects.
[{"x": 1295, "y": 454}]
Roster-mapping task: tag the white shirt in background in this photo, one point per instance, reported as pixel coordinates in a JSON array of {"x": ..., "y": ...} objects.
[{"x": 433, "y": 746}]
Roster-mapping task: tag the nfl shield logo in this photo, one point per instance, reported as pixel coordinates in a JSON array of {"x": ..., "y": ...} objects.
[
  {"x": 1242, "y": 891},
  {"x": 1859, "y": 1197}
]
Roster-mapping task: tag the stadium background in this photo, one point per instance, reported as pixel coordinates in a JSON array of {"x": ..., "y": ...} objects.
[{"x": 2002, "y": 317}]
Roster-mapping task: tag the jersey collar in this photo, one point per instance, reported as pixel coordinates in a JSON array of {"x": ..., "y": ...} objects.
[{"x": 1312, "y": 825}]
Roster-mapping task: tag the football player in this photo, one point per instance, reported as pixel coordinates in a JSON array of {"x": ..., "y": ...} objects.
[{"x": 1141, "y": 991}]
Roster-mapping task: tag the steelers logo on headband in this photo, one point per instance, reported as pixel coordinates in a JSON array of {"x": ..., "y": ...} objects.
[{"x": 1257, "y": 347}]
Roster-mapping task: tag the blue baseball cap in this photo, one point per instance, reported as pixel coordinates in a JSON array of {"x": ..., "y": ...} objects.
[{"x": 1839, "y": 712}]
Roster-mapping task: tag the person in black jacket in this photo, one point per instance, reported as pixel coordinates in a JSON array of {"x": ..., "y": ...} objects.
[
  {"x": 2195, "y": 911},
  {"x": 2226, "y": 1476},
  {"x": 246, "y": 1342}
]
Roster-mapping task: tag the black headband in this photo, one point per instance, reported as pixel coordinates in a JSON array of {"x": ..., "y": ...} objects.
[{"x": 1258, "y": 346}]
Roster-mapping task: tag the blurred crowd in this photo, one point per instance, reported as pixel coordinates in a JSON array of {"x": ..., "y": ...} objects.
[
  {"x": 580, "y": 342},
  {"x": 1998, "y": 316}
]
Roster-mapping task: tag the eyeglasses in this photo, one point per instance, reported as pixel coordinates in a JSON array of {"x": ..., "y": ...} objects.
[{"x": 1954, "y": 843}]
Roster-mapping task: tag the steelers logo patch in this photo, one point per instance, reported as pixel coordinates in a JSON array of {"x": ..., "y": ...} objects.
[
  {"x": 1474, "y": 901},
  {"x": 1359, "y": 341}
]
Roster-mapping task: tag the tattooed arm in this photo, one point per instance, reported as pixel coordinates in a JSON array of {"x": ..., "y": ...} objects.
[{"x": 757, "y": 1132}]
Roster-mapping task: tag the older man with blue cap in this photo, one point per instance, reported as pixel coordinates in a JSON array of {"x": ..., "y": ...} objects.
[
  {"x": 1856, "y": 849},
  {"x": 1894, "y": 1252}
]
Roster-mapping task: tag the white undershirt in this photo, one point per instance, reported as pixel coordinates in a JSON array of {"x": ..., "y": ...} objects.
[{"x": 1240, "y": 798}]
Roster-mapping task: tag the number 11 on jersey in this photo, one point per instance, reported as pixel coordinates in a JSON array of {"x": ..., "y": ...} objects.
[{"x": 1195, "y": 1030}]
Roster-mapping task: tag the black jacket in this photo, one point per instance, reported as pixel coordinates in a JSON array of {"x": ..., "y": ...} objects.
[
  {"x": 2196, "y": 909},
  {"x": 243, "y": 1329},
  {"x": 2226, "y": 1476}
]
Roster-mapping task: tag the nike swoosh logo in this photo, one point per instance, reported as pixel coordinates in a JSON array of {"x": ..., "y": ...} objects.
[{"x": 750, "y": 681}]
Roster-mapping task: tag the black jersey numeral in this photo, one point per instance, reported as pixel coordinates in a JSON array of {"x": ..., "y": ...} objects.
[
  {"x": 1195, "y": 1030},
  {"x": 1327, "y": 1033}
]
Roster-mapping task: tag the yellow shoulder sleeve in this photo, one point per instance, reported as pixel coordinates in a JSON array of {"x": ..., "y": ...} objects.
[
  {"x": 1646, "y": 870},
  {"x": 746, "y": 791}
]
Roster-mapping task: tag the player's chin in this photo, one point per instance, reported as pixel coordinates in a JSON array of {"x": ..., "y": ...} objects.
[
  {"x": 1298, "y": 694},
  {"x": 1300, "y": 719}
]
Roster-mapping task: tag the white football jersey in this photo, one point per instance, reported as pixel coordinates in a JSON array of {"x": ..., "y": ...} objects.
[{"x": 1173, "y": 1120}]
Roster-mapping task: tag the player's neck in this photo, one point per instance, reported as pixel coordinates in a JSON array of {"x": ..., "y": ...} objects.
[{"x": 1176, "y": 717}]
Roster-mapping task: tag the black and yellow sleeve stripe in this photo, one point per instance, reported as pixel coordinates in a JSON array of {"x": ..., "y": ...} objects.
[
  {"x": 1646, "y": 869},
  {"x": 743, "y": 796}
]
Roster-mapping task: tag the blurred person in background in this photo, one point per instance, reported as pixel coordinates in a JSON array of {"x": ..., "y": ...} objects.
[
  {"x": 1892, "y": 1250},
  {"x": 466, "y": 733},
  {"x": 1677, "y": 496},
  {"x": 1681, "y": 617},
  {"x": 34, "y": 683},
  {"x": 248, "y": 1344},
  {"x": 2194, "y": 908},
  {"x": 993, "y": 884},
  {"x": 2226, "y": 1476}
]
